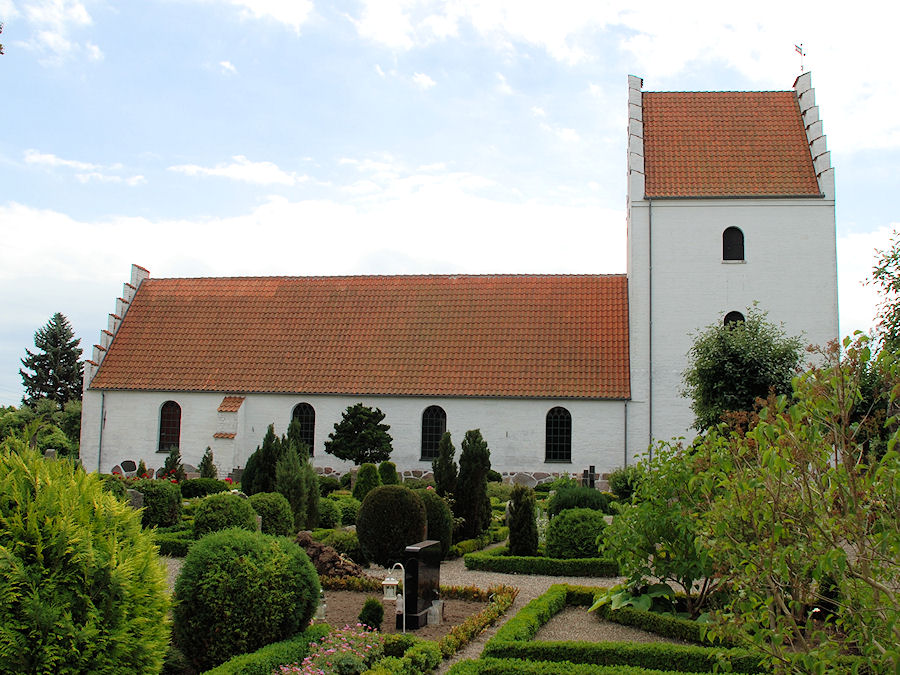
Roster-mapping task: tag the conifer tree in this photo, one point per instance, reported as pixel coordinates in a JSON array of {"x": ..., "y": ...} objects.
[
  {"x": 289, "y": 482},
  {"x": 267, "y": 456},
  {"x": 444, "y": 467},
  {"x": 387, "y": 471},
  {"x": 472, "y": 503},
  {"x": 56, "y": 372},
  {"x": 173, "y": 468},
  {"x": 306, "y": 483},
  {"x": 360, "y": 436},
  {"x": 367, "y": 479},
  {"x": 523, "y": 533},
  {"x": 207, "y": 468}
]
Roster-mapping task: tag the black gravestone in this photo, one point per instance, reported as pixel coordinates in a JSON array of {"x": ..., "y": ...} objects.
[{"x": 421, "y": 583}]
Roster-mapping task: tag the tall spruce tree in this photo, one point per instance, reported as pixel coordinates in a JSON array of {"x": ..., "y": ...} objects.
[
  {"x": 444, "y": 467},
  {"x": 472, "y": 503},
  {"x": 309, "y": 482},
  {"x": 264, "y": 460},
  {"x": 56, "y": 372}
]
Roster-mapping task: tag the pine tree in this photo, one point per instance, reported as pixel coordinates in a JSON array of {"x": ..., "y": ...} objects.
[
  {"x": 444, "y": 467},
  {"x": 173, "y": 468},
  {"x": 302, "y": 485},
  {"x": 56, "y": 372},
  {"x": 360, "y": 436},
  {"x": 289, "y": 482},
  {"x": 472, "y": 503},
  {"x": 265, "y": 461},
  {"x": 207, "y": 468}
]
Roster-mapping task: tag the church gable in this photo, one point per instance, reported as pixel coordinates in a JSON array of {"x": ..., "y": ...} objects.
[{"x": 494, "y": 335}]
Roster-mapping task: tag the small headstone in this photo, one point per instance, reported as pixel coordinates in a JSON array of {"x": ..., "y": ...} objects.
[
  {"x": 135, "y": 499},
  {"x": 421, "y": 582},
  {"x": 50, "y": 453}
]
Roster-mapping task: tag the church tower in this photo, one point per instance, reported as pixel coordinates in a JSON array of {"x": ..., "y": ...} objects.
[{"x": 730, "y": 203}]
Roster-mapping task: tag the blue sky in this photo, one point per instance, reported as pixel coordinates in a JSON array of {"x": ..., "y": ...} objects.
[{"x": 235, "y": 137}]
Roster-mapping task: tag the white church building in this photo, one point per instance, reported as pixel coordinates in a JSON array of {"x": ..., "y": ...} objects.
[{"x": 730, "y": 203}]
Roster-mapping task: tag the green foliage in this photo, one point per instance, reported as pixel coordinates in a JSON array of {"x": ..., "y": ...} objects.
[
  {"x": 444, "y": 467},
  {"x": 327, "y": 485},
  {"x": 886, "y": 277},
  {"x": 223, "y": 511},
  {"x": 114, "y": 485},
  {"x": 731, "y": 366},
  {"x": 348, "y": 506},
  {"x": 574, "y": 532},
  {"x": 387, "y": 471},
  {"x": 81, "y": 586},
  {"x": 624, "y": 481},
  {"x": 175, "y": 544},
  {"x": 472, "y": 503},
  {"x": 498, "y": 560},
  {"x": 207, "y": 468},
  {"x": 162, "y": 502},
  {"x": 523, "y": 533},
  {"x": 56, "y": 369},
  {"x": 173, "y": 468},
  {"x": 277, "y": 517},
  {"x": 239, "y": 591},
  {"x": 265, "y": 459},
  {"x": 391, "y": 518},
  {"x": 439, "y": 517},
  {"x": 142, "y": 471},
  {"x": 345, "y": 542},
  {"x": 372, "y": 613},
  {"x": 367, "y": 479},
  {"x": 360, "y": 436},
  {"x": 200, "y": 487},
  {"x": 267, "y": 659},
  {"x": 345, "y": 481},
  {"x": 290, "y": 482},
  {"x": 310, "y": 481},
  {"x": 499, "y": 491},
  {"x": 578, "y": 498},
  {"x": 329, "y": 514},
  {"x": 49, "y": 426},
  {"x": 494, "y": 476}
]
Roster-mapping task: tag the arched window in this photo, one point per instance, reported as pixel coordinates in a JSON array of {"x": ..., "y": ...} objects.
[
  {"x": 434, "y": 424},
  {"x": 169, "y": 426},
  {"x": 306, "y": 415},
  {"x": 559, "y": 436},
  {"x": 733, "y": 317},
  {"x": 732, "y": 244}
]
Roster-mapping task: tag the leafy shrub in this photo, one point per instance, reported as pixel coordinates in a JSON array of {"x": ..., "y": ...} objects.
[
  {"x": 372, "y": 613},
  {"x": 523, "y": 533},
  {"x": 239, "y": 591},
  {"x": 624, "y": 481},
  {"x": 578, "y": 498},
  {"x": 439, "y": 517},
  {"x": 173, "y": 468},
  {"x": 391, "y": 518},
  {"x": 345, "y": 480},
  {"x": 114, "y": 485},
  {"x": 348, "y": 506},
  {"x": 344, "y": 651},
  {"x": 345, "y": 542},
  {"x": 277, "y": 517},
  {"x": 367, "y": 479},
  {"x": 573, "y": 534},
  {"x": 327, "y": 485},
  {"x": 162, "y": 502},
  {"x": 329, "y": 514},
  {"x": 494, "y": 476},
  {"x": 81, "y": 586},
  {"x": 499, "y": 491},
  {"x": 263, "y": 661},
  {"x": 387, "y": 471},
  {"x": 418, "y": 483},
  {"x": 492, "y": 536},
  {"x": 175, "y": 544},
  {"x": 222, "y": 511},
  {"x": 200, "y": 487}
]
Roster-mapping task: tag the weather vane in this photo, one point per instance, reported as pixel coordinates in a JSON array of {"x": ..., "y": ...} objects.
[{"x": 799, "y": 49}]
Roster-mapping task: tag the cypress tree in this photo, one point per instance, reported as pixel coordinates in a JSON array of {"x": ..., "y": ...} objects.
[
  {"x": 289, "y": 482},
  {"x": 523, "y": 534},
  {"x": 310, "y": 482},
  {"x": 207, "y": 468},
  {"x": 264, "y": 461},
  {"x": 472, "y": 503},
  {"x": 444, "y": 467}
]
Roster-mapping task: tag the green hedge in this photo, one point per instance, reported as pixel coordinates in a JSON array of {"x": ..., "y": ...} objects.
[
  {"x": 175, "y": 544},
  {"x": 263, "y": 661},
  {"x": 492, "y": 666},
  {"x": 492, "y": 536},
  {"x": 423, "y": 657},
  {"x": 496, "y": 560}
]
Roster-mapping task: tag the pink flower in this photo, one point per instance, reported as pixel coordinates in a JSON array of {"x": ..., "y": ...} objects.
[{"x": 429, "y": 487}]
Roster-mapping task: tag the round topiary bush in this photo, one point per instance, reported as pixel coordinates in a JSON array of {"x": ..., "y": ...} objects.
[
  {"x": 81, "y": 586},
  {"x": 573, "y": 534},
  {"x": 200, "y": 487},
  {"x": 239, "y": 591},
  {"x": 366, "y": 480},
  {"x": 222, "y": 511},
  {"x": 391, "y": 518},
  {"x": 329, "y": 514},
  {"x": 372, "y": 613},
  {"x": 439, "y": 517},
  {"x": 348, "y": 506},
  {"x": 327, "y": 485},
  {"x": 277, "y": 516},
  {"x": 162, "y": 502},
  {"x": 579, "y": 498}
]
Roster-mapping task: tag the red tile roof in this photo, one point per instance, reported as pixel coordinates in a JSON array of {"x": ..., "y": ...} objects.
[
  {"x": 720, "y": 144},
  {"x": 231, "y": 404},
  {"x": 492, "y": 335},
  {"x": 224, "y": 434}
]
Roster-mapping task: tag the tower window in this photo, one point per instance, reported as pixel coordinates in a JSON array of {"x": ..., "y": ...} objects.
[
  {"x": 306, "y": 415},
  {"x": 558, "y": 447},
  {"x": 169, "y": 426},
  {"x": 732, "y": 244},
  {"x": 733, "y": 317},
  {"x": 434, "y": 424}
]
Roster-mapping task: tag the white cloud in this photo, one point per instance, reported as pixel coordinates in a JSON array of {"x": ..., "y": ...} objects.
[
  {"x": 228, "y": 67},
  {"x": 503, "y": 86},
  {"x": 856, "y": 257},
  {"x": 537, "y": 111},
  {"x": 293, "y": 13},
  {"x": 47, "y": 159},
  {"x": 242, "y": 169},
  {"x": 89, "y": 172},
  {"x": 379, "y": 70},
  {"x": 96, "y": 176},
  {"x": 94, "y": 52},
  {"x": 52, "y": 23},
  {"x": 423, "y": 82}
]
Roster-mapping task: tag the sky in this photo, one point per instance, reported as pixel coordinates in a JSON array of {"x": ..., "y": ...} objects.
[{"x": 303, "y": 137}]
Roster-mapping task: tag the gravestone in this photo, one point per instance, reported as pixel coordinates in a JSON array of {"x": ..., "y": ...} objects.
[{"x": 421, "y": 582}]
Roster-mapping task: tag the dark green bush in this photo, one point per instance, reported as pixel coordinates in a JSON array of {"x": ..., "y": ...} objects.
[
  {"x": 471, "y": 501},
  {"x": 348, "y": 506},
  {"x": 494, "y": 476},
  {"x": 345, "y": 542},
  {"x": 372, "y": 613},
  {"x": 439, "y": 517},
  {"x": 573, "y": 534},
  {"x": 200, "y": 487},
  {"x": 345, "y": 480},
  {"x": 578, "y": 498},
  {"x": 239, "y": 591},
  {"x": 523, "y": 534},
  {"x": 267, "y": 659},
  {"x": 498, "y": 560},
  {"x": 418, "y": 483},
  {"x": 222, "y": 511},
  {"x": 387, "y": 472},
  {"x": 327, "y": 485},
  {"x": 367, "y": 479},
  {"x": 162, "y": 502},
  {"x": 492, "y": 536},
  {"x": 329, "y": 514},
  {"x": 81, "y": 586},
  {"x": 624, "y": 481},
  {"x": 277, "y": 517},
  {"x": 391, "y": 518},
  {"x": 175, "y": 544},
  {"x": 114, "y": 485}
]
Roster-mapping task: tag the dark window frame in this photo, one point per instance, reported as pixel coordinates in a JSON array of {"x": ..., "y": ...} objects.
[
  {"x": 558, "y": 435},
  {"x": 733, "y": 245},
  {"x": 434, "y": 425},
  {"x": 304, "y": 412},
  {"x": 169, "y": 427}
]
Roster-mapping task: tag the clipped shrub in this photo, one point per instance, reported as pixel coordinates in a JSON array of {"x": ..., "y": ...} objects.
[
  {"x": 391, "y": 518},
  {"x": 277, "y": 517},
  {"x": 387, "y": 471},
  {"x": 573, "y": 534},
  {"x": 624, "y": 481},
  {"x": 239, "y": 591},
  {"x": 418, "y": 483},
  {"x": 267, "y": 659},
  {"x": 372, "y": 613},
  {"x": 327, "y": 485},
  {"x": 366, "y": 479},
  {"x": 348, "y": 506},
  {"x": 499, "y": 560},
  {"x": 345, "y": 480},
  {"x": 94, "y": 600},
  {"x": 162, "y": 502},
  {"x": 494, "y": 476},
  {"x": 499, "y": 491},
  {"x": 439, "y": 517},
  {"x": 523, "y": 533},
  {"x": 200, "y": 487},
  {"x": 329, "y": 514},
  {"x": 578, "y": 498},
  {"x": 222, "y": 511}
]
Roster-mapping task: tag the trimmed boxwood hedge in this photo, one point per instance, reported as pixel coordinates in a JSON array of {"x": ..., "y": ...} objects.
[
  {"x": 497, "y": 560},
  {"x": 162, "y": 502},
  {"x": 263, "y": 661},
  {"x": 200, "y": 487},
  {"x": 175, "y": 544},
  {"x": 493, "y": 666},
  {"x": 492, "y": 536}
]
